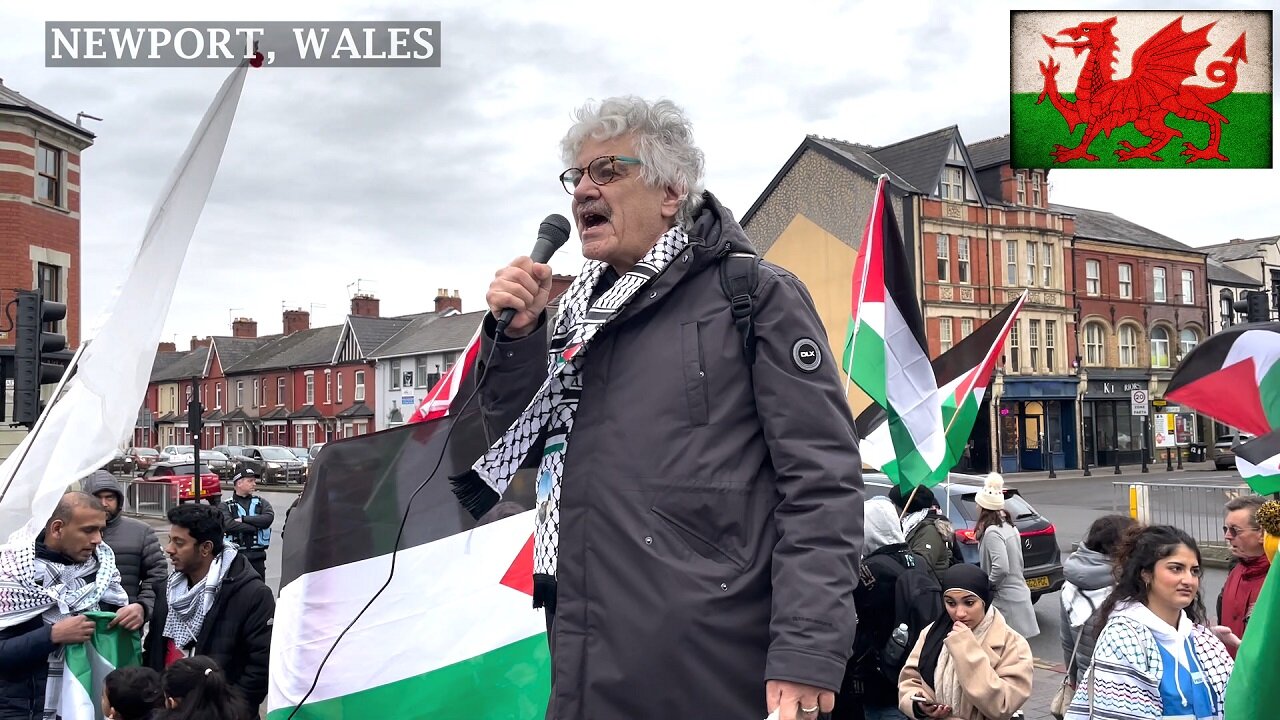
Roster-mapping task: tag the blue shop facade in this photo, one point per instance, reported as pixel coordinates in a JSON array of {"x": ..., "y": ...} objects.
[{"x": 1036, "y": 424}]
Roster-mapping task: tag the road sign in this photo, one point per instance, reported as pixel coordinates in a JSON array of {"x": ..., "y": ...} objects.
[
  {"x": 1138, "y": 402},
  {"x": 1159, "y": 402}
]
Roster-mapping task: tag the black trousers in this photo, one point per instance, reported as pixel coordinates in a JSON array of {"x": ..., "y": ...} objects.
[{"x": 258, "y": 561}]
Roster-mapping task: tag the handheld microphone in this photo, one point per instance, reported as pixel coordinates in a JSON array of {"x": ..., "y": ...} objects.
[{"x": 552, "y": 233}]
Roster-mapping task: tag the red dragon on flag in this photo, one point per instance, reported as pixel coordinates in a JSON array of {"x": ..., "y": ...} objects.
[{"x": 1155, "y": 89}]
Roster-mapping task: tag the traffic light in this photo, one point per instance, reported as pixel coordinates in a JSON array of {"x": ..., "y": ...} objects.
[
  {"x": 32, "y": 347},
  {"x": 1257, "y": 309}
]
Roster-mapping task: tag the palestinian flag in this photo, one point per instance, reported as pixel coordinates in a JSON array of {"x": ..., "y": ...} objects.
[
  {"x": 88, "y": 664},
  {"x": 445, "y": 391},
  {"x": 1206, "y": 75},
  {"x": 453, "y": 632},
  {"x": 1259, "y": 463},
  {"x": 1252, "y": 691},
  {"x": 963, "y": 372},
  {"x": 885, "y": 352},
  {"x": 1234, "y": 378}
]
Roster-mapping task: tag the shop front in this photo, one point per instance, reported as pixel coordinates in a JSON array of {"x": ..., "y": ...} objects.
[
  {"x": 1036, "y": 424},
  {"x": 1113, "y": 435}
]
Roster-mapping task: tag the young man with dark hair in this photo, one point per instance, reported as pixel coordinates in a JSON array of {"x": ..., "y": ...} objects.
[
  {"x": 47, "y": 582},
  {"x": 212, "y": 604}
]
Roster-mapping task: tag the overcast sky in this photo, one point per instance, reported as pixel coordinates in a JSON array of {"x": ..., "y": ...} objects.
[{"x": 409, "y": 180}]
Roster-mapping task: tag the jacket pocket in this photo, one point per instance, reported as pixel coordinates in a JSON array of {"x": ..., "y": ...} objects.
[
  {"x": 695, "y": 540},
  {"x": 695, "y": 375}
]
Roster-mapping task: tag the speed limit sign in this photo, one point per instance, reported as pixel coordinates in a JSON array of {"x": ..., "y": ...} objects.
[{"x": 1138, "y": 402}]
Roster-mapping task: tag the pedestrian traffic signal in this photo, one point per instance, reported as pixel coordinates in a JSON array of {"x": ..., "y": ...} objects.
[
  {"x": 32, "y": 347},
  {"x": 1257, "y": 308}
]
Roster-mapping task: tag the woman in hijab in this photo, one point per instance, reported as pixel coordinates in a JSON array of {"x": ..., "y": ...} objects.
[{"x": 969, "y": 664}]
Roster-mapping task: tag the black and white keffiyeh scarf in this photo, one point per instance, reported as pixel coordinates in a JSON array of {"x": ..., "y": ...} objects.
[
  {"x": 188, "y": 604},
  {"x": 31, "y": 586},
  {"x": 553, "y": 407}
]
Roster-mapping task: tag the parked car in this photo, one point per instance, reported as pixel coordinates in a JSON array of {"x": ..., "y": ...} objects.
[
  {"x": 219, "y": 463},
  {"x": 303, "y": 455},
  {"x": 314, "y": 450},
  {"x": 144, "y": 457},
  {"x": 120, "y": 464},
  {"x": 1041, "y": 557},
  {"x": 231, "y": 451},
  {"x": 176, "y": 453},
  {"x": 272, "y": 463},
  {"x": 183, "y": 474},
  {"x": 1224, "y": 455}
]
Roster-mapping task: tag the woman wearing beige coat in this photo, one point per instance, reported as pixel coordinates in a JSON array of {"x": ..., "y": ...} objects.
[{"x": 969, "y": 664}]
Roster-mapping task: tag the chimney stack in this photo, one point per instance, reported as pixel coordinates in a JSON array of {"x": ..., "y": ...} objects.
[
  {"x": 446, "y": 299},
  {"x": 296, "y": 321},
  {"x": 364, "y": 305},
  {"x": 198, "y": 342},
  {"x": 167, "y": 347},
  {"x": 244, "y": 328}
]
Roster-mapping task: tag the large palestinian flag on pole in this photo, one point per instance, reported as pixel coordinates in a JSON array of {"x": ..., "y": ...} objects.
[
  {"x": 885, "y": 352},
  {"x": 963, "y": 374},
  {"x": 1234, "y": 378},
  {"x": 453, "y": 632}
]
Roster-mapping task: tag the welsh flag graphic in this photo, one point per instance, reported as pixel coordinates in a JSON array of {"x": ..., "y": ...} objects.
[
  {"x": 88, "y": 664},
  {"x": 963, "y": 372},
  {"x": 453, "y": 633},
  {"x": 885, "y": 352}
]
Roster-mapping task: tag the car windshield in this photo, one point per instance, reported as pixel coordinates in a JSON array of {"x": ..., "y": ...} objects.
[
  {"x": 182, "y": 449},
  {"x": 145, "y": 451},
  {"x": 1017, "y": 508},
  {"x": 212, "y": 455},
  {"x": 185, "y": 469},
  {"x": 276, "y": 453},
  {"x": 298, "y": 452}
]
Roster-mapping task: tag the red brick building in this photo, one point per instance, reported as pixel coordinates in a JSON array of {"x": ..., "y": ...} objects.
[{"x": 39, "y": 214}]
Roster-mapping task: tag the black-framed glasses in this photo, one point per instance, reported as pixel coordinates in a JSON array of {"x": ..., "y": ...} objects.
[{"x": 602, "y": 171}]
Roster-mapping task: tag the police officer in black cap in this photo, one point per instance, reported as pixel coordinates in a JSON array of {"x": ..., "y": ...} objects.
[{"x": 248, "y": 520}]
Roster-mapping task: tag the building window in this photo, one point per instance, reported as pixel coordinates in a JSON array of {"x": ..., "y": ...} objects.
[
  {"x": 966, "y": 327},
  {"x": 1188, "y": 339},
  {"x": 217, "y": 395},
  {"x": 962, "y": 259},
  {"x": 1092, "y": 277},
  {"x": 1031, "y": 263},
  {"x": 421, "y": 372},
  {"x": 944, "y": 258},
  {"x": 173, "y": 398},
  {"x": 49, "y": 175},
  {"x": 1047, "y": 264},
  {"x": 1188, "y": 287},
  {"x": 944, "y": 334},
  {"x": 297, "y": 436},
  {"x": 280, "y": 392},
  {"x": 952, "y": 183},
  {"x": 1157, "y": 284},
  {"x": 328, "y": 387},
  {"x": 1128, "y": 339},
  {"x": 1035, "y": 189},
  {"x": 395, "y": 374},
  {"x": 1033, "y": 343},
  {"x": 1050, "y": 335},
  {"x": 1159, "y": 347},
  {"x": 359, "y": 386},
  {"x": 339, "y": 381},
  {"x": 1011, "y": 263},
  {"x": 1022, "y": 188},
  {"x": 311, "y": 389},
  {"x": 1126, "y": 280},
  {"x": 1015, "y": 351},
  {"x": 1093, "y": 348},
  {"x": 257, "y": 392},
  {"x": 49, "y": 283},
  {"x": 239, "y": 393}
]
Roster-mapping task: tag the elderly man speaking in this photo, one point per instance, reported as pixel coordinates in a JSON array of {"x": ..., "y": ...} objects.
[{"x": 699, "y": 486}]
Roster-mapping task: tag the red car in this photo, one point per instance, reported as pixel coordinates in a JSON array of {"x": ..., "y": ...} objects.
[
  {"x": 182, "y": 474},
  {"x": 144, "y": 457}
]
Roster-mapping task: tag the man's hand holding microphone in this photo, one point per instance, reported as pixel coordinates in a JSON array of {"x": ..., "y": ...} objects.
[{"x": 520, "y": 291}]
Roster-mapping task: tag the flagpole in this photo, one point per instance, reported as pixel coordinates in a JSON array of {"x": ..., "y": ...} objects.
[{"x": 44, "y": 414}]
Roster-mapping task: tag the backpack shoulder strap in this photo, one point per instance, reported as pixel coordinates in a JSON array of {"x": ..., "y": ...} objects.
[{"x": 739, "y": 276}]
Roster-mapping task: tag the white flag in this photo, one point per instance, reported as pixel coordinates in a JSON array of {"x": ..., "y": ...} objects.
[{"x": 100, "y": 405}]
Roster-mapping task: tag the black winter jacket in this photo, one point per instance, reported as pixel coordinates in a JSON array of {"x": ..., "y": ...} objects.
[
  {"x": 24, "y": 660},
  {"x": 236, "y": 632},
  {"x": 137, "y": 549}
]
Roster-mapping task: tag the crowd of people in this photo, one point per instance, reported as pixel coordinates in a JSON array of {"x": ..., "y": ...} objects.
[{"x": 702, "y": 547}]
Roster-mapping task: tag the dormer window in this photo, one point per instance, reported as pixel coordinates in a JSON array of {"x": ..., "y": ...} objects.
[{"x": 952, "y": 185}]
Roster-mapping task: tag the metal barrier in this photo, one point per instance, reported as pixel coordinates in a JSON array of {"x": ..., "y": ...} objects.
[
  {"x": 149, "y": 499},
  {"x": 1196, "y": 509}
]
